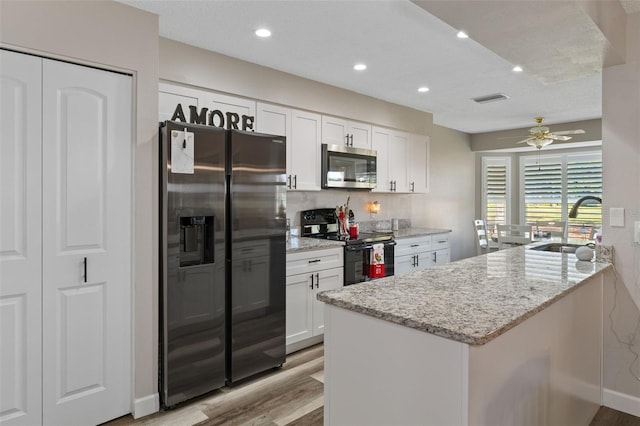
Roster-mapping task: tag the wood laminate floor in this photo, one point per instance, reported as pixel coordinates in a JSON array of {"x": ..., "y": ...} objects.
[{"x": 292, "y": 395}]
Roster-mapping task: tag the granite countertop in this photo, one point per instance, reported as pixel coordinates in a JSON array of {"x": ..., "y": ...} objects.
[
  {"x": 418, "y": 232},
  {"x": 473, "y": 300},
  {"x": 297, "y": 244}
]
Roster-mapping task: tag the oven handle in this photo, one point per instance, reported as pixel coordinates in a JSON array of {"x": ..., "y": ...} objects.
[{"x": 368, "y": 246}]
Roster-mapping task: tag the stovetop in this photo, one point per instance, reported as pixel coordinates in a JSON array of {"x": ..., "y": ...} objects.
[
  {"x": 321, "y": 223},
  {"x": 362, "y": 238}
]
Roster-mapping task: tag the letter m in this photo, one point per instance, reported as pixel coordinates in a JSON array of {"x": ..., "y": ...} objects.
[{"x": 196, "y": 118}]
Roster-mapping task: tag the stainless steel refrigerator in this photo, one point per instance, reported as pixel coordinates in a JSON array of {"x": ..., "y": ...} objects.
[{"x": 223, "y": 242}]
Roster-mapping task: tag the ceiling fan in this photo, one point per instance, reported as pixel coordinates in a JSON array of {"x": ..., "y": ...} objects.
[{"x": 540, "y": 136}]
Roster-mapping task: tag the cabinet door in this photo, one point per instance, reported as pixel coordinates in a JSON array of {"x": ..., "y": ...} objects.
[
  {"x": 380, "y": 141},
  {"x": 418, "y": 164},
  {"x": 86, "y": 240},
  {"x": 360, "y": 134},
  {"x": 276, "y": 120},
  {"x": 173, "y": 99},
  {"x": 299, "y": 308},
  {"x": 404, "y": 264},
  {"x": 21, "y": 239},
  {"x": 398, "y": 161},
  {"x": 234, "y": 111},
  {"x": 324, "y": 280},
  {"x": 440, "y": 257},
  {"x": 305, "y": 150},
  {"x": 334, "y": 131}
]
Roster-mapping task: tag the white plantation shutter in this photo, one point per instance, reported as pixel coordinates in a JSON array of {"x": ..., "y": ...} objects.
[
  {"x": 552, "y": 184},
  {"x": 496, "y": 175},
  {"x": 543, "y": 189}
]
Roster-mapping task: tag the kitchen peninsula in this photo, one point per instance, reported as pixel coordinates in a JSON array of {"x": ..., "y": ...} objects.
[{"x": 512, "y": 337}]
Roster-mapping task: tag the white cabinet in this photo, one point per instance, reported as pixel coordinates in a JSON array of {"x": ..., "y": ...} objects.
[
  {"x": 338, "y": 131},
  {"x": 392, "y": 170},
  {"x": 302, "y": 130},
  {"x": 308, "y": 273},
  {"x": 412, "y": 254},
  {"x": 418, "y": 164},
  {"x": 417, "y": 253}
]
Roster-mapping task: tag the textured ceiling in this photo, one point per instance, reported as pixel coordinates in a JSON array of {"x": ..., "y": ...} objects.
[{"x": 410, "y": 44}]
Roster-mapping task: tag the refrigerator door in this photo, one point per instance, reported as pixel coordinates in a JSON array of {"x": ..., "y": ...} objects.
[
  {"x": 192, "y": 291},
  {"x": 258, "y": 243}
]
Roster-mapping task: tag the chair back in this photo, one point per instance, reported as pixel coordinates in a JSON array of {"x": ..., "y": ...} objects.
[
  {"x": 514, "y": 235},
  {"x": 482, "y": 239},
  {"x": 551, "y": 229}
]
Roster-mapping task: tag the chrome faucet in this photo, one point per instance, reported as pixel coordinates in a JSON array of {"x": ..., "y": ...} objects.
[{"x": 574, "y": 210}]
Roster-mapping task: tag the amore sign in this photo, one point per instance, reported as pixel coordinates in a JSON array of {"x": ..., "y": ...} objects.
[{"x": 216, "y": 118}]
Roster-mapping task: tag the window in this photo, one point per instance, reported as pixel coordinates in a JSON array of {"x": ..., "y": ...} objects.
[
  {"x": 552, "y": 184},
  {"x": 496, "y": 173}
]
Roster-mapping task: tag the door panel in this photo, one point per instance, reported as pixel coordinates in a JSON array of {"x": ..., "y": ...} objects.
[
  {"x": 87, "y": 227},
  {"x": 20, "y": 239}
]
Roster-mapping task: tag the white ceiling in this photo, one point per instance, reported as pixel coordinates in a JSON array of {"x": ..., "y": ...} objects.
[{"x": 405, "y": 47}]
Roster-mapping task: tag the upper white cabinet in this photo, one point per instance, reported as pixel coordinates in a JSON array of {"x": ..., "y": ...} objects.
[
  {"x": 418, "y": 163},
  {"x": 338, "y": 131},
  {"x": 392, "y": 147},
  {"x": 402, "y": 161},
  {"x": 302, "y": 130}
]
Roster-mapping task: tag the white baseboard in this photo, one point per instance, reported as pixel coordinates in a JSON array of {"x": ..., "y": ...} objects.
[
  {"x": 621, "y": 402},
  {"x": 144, "y": 406}
]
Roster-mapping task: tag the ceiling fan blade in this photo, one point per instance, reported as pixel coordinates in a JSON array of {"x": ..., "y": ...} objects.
[
  {"x": 526, "y": 140},
  {"x": 569, "y": 132},
  {"x": 558, "y": 138}
]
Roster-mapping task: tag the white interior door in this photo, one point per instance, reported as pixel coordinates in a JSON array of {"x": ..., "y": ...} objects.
[
  {"x": 86, "y": 227},
  {"x": 20, "y": 239}
]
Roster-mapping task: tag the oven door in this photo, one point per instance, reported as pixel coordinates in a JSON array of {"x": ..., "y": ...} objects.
[{"x": 356, "y": 262}]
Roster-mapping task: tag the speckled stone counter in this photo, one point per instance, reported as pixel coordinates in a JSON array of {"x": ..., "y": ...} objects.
[
  {"x": 418, "y": 232},
  {"x": 473, "y": 300},
  {"x": 296, "y": 244}
]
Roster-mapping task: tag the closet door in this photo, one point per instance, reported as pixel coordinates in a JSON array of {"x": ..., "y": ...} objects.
[
  {"x": 86, "y": 239},
  {"x": 20, "y": 239}
]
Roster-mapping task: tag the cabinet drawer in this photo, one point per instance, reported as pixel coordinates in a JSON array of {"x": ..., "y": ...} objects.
[
  {"x": 440, "y": 241},
  {"x": 316, "y": 260},
  {"x": 412, "y": 245}
]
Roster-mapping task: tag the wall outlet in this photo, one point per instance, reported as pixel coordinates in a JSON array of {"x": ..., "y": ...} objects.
[{"x": 636, "y": 232}]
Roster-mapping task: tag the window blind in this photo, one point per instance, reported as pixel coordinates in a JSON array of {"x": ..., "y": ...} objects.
[
  {"x": 543, "y": 189},
  {"x": 496, "y": 190}
]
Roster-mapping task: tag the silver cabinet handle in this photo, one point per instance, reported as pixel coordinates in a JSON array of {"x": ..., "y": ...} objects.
[
  {"x": 435, "y": 257},
  {"x": 317, "y": 280},
  {"x": 391, "y": 185},
  {"x": 311, "y": 281},
  {"x": 85, "y": 269},
  {"x": 314, "y": 261},
  {"x": 413, "y": 187},
  {"x": 288, "y": 181},
  {"x": 295, "y": 181}
]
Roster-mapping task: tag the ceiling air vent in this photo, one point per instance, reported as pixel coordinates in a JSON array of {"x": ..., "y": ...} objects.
[{"x": 490, "y": 98}]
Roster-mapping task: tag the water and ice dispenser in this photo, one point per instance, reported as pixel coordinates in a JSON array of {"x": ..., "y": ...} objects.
[{"x": 196, "y": 240}]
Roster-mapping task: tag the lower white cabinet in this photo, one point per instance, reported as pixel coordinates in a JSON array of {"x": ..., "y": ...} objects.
[
  {"x": 308, "y": 273},
  {"x": 417, "y": 253}
]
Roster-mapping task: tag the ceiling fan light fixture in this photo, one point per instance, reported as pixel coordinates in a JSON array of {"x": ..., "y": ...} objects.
[{"x": 539, "y": 143}]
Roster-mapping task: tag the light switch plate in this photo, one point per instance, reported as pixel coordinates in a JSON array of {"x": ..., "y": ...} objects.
[{"x": 616, "y": 217}]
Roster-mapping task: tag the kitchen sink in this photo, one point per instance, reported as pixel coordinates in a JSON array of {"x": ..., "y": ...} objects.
[{"x": 558, "y": 247}]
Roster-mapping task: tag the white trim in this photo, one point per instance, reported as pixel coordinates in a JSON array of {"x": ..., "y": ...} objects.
[
  {"x": 146, "y": 405},
  {"x": 622, "y": 402}
]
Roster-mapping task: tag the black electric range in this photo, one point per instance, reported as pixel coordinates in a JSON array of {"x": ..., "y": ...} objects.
[{"x": 323, "y": 224}]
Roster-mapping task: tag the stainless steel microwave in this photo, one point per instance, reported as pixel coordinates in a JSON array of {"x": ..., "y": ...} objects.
[{"x": 347, "y": 167}]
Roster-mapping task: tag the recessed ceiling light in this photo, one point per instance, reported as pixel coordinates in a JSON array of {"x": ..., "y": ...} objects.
[
  {"x": 423, "y": 89},
  {"x": 517, "y": 68},
  {"x": 462, "y": 34},
  {"x": 359, "y": 67},
  {"x": 263, "y": 32}
]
